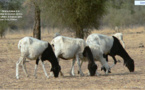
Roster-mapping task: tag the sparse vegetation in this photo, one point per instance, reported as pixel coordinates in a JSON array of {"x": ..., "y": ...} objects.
[
  {"x": 123, "y": 14},
  {"x": 77, "y": 15},
  {"x": 120, "y": 78},
  {"x": 76, "y": 18},
  {"x": 3, "y": 27}
]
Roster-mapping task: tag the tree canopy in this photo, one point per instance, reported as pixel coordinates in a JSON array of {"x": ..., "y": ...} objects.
[{"x": 77, "y": 15}]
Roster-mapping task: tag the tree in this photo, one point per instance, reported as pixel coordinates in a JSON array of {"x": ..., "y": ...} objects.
[
  {"x": 37, "y": 27},
  {"x": 37, "y": 18},
  {"x": 77, "y": 15}
]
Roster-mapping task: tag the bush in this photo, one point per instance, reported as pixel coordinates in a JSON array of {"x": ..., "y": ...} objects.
[{"x": 3, "y": 27}]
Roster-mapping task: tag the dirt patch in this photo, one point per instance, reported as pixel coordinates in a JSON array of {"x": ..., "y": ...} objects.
[
  {"x": 120, "y": 78},
  {"x": 2, "y": 60}
]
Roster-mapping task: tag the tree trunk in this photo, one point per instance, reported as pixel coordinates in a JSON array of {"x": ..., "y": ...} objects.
[
  {"x": 79, "y": 32},
  {"x": 37, "y": 27}
]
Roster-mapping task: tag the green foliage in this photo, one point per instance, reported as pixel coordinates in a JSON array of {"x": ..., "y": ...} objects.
[
  {"x": 3, "y": 27},
  {"x": 14, "y": 4},
  {"x": 79, "y": 16},
  {"x": 74, "y": 14},
  {"x": 11, "y": 4},
  {"x": 123, "y": 13}
]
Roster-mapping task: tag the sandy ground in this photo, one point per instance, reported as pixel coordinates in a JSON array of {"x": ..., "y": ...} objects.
[{"x": 120, "y": 78}]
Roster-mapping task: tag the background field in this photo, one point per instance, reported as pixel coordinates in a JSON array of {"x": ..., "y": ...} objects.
[{"x": 120, "y": 78}]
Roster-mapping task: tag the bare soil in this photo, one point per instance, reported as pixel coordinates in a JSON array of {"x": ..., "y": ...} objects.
[{"x": 120, "y": 78}]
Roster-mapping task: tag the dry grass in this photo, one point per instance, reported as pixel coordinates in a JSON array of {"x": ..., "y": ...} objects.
[{"x": 120, "y": 78}]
